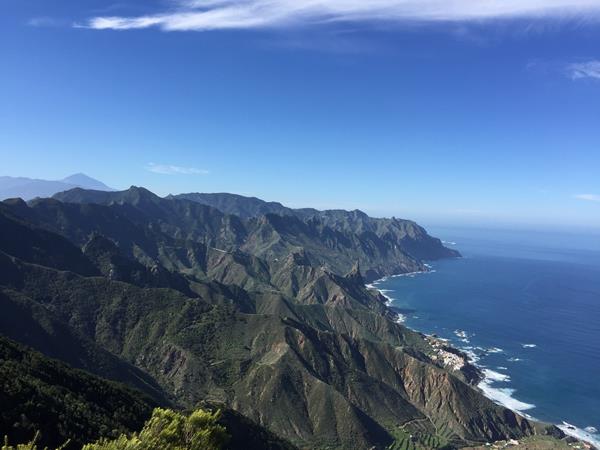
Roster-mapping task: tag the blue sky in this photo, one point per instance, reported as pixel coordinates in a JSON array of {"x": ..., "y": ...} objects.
[{"x": 464, "y": 114}]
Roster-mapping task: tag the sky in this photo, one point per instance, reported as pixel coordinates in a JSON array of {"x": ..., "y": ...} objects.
[{"x": 447, "y": 112}]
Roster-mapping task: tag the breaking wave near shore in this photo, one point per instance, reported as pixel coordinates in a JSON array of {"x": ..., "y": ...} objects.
[{"x": 496, "y": 362}]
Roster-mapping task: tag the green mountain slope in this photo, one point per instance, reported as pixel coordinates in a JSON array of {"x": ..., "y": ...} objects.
[
  {"x": 285, "y": 374},
  {"x": 47, "y": 400},
  {"x": 405, "y": 234},
  {"x": 46, "y": 396},
  {"x": 268, "y": 316},
  {"x": 333, "y": 238}
]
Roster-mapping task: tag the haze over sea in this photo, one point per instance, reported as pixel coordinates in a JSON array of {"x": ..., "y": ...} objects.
[{"x": 526, "y": 307}]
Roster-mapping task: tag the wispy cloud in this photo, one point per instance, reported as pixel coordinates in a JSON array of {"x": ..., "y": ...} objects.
[
  {"x": 203, "y": 15},
  {"x": 588, "y": 197},
  {"x": 167, "y": 169},
  {"x": 587, "y": 69},
  {"x": 46, "y": 22}
]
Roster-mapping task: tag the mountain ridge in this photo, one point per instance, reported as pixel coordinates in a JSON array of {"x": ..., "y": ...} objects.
[
  {"x": 268, "y": 315},
  {"x": 385, "y": 246},
  {"x": 30, "y": 188}
]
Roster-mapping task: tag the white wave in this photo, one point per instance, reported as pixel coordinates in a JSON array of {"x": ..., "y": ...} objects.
[
  {"x": 400, "y": 318},
  {"x": 389, "y": 300},
  {"x": 503, "y": 396},
  {"x": 448, "y": 242},
  {"x": 463, "y": 336},
  {"x": 495, "y": 376},
  {"x": 500, "y": 395},
  {"x": 578, "y": 433},
  {"x": 409, "y": 274},
  {"x": 489, "y": 350},
  {"x": 494, "y": 350},
  {"x": 384, "y": 292},
  {"x": 471, "y": 355}
]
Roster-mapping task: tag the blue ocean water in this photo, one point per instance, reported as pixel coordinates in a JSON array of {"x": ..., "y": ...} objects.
[{"x": 527, "y": 307}]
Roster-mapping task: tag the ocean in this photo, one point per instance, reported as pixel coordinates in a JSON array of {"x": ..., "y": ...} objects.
[{"x": 526, "y": 307}]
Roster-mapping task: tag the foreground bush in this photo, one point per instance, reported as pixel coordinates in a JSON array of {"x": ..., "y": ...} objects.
[
  {"x": 168, "y": 429},
  {"x": 31, "y": 446}
]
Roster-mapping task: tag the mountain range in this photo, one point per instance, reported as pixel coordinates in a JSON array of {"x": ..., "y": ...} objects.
[
  {"x": 29, "y": 188},
  {"x": 260, "y": 309}
]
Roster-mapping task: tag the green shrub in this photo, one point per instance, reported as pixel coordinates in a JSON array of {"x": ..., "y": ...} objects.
[
  {"x": 168, "y": 429},
  {"x": 30, "y": 446}
]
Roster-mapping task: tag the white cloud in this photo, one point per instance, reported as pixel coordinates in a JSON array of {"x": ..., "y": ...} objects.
[
  {"x": 203, "y": 15},
  {"x": 46, "y": 22},
  {"x": 588, "y": 197},
  {"x": 167, "y": 169},
  {"x": 587, "y": 69}
]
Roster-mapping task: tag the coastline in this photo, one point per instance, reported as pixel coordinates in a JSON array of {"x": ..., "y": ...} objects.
[
  {"x": 400, "y": 318},
  {"x": 499, "y": 395}
]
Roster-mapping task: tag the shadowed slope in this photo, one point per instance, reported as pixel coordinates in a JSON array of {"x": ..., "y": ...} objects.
[{"x": 255, "y": 315}]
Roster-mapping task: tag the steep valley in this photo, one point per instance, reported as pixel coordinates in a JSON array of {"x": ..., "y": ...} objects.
[{"x": 249, "y": 305}]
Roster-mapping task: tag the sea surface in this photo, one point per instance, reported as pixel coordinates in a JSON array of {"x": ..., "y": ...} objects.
[{"x": 526, "y": 307}]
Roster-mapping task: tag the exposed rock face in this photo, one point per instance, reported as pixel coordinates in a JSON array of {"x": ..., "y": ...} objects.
[
  {"x": 335, "y": 238},
  {"x": 196, "y": 305}
]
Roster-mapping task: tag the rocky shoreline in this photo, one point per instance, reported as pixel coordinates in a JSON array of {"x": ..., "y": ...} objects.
[
  {"x": 443, "y": 353},
  {"x": 458, "y": 361}
]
